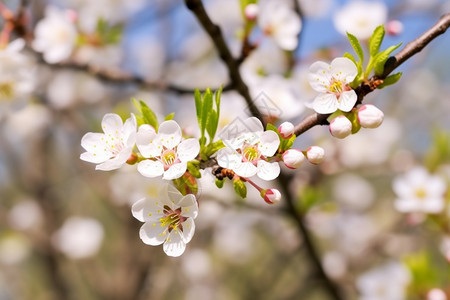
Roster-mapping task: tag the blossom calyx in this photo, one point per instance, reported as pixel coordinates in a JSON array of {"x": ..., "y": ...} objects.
[
  {"x": 293, "y": 158},
  {"x": 340, "y": 127},
  {"x": 369, "y": 116},
  {"x": 286, "y": 130},
  {"x": 271, "y": 196},
  {"x": 315, "y": 154}
]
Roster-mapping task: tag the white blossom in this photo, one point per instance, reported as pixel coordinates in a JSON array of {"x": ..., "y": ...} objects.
[
  {"x": 369, "y": 116},
  {"x": 55, "y": 35},
  {"x": 315, "y": 154},
  {"x": 360, "y": 18},
  {"x": 419, "y": 191},
  {"x": 248, "y": 148},
  {"x": 332, "y": 82},
  {"x": 167, "y": 154},
  {"x": 293, "y": 158},
  {"x": 168, "y": 220},
  {"x": 280, "y": 22},
  {"x": 111, "y": 149}
]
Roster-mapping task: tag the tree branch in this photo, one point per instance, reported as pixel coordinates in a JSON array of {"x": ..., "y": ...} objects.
[
  {"x": 197, "y": 8},
  {"x": 392, "y": 63}
]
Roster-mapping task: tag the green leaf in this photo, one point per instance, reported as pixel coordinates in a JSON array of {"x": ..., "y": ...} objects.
[
  {"x": 353, "y": 117},
  {"x": 137, "y": 105},
  {"x": 148, "y": 115},
  {"x": 169, "y": 117},
  {"x": 206, "y": 109},
  {"x": 390, "y": 80},
  {"x": 356, "y": 46},
  {"x": 382, "y": 57},
  {"x": 287, "y": 144},
  {"x": 211, "y": 124},
  {"x": 217, "y": 97},
  {"x": 219, "y": 183},
  {"x": 349, "y": 56},
  {"x": 375, "y": 40},
  {"x": 193, "y": 168},
  {"x": 240, "y": 188},
  {"x": 198, "y": 107},
  {"x": 213, "y": 148}
]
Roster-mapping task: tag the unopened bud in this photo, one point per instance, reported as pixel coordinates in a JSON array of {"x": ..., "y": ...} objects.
[
  {"x": 436, "y": 294},
  {"x": 315, "y": 154},
  {"x": 369, "y": 116},
  {"x": 132, "y": 159},
  {"x": 72, "y": 15},
  {"x": 251, "y": 11},
  {"x": 340, "y": 127},
  {"x": 286, "y": 130},
  {"x": 293, "y": 158},
  {"x": 394, "y": 27},
  {"x": 271, "y": 196}
]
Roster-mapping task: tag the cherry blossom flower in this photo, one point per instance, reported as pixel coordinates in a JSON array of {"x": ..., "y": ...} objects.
[
  {"x": 248, "y": 149},
  {"x": 168, "y": 155},
  {"x": 360, "y": 18},
  {"x": 286, "y": 130},
  {"x": 280, "y": 22},
  {"x": 168, "y": 220},
  {"x": 419, "y": 191},
  {"x": 55, "y": 35},
  {"x": 111, "y": 149},
  {"x": 340, "y": 127},
  {"x": 315, "y": 154},
  {"x": 369, "y": 116},
  {"x": 293, "y": 158},
  {"x": 332, "y": 82},
  {"x": 16, "y": 80}
]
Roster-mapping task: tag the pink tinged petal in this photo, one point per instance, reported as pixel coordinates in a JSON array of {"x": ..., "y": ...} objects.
[
  {"x": 347, "y": 100},
  {"x": 319, "y": 76},
  {"x": 147, "y": 142},
  {"x": 269, "y": 142},
  {"x": 325, "y": 104},
  {"x": 175, "y": 171},
  {"x": 174, "y": 245},
  {"x": 343, "y": 69},
  {"x": 148, "y": 210},
  {"x": 188, "y": 150},
  {"x": 268, "y": 171},
  {"x": 169, "y": 133},
  {"x": 189, "y": 207},
  {"x": 228, "y": 158},
  {"x": 246, "y": 169},
  {"x": 152, "y": 233},
  {"x": 150, "y": 168},
  {"x": 112, "y": 124},
  {"x": 188, "y": 230}
]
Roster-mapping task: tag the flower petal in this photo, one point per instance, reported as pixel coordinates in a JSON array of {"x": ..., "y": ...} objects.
[
  {"x": 228, "y": 158},
  {"x": 129, "y": 128},
  {"x": 268, "y": 171},
  {"x": 347, "y": 100},
  {"x": 188, "y": 150},
  {"x": 175, "y": 171},
  {"x": 148, "y": 210},
  {"x": 147, "y": 142},
  {"x": 150, "y": 168},
  {"x": 189, "y": 207},
  {"x": 319, "y": 76},
  {"x": 246, "y": 169},
  {"x": 269, "y": 142},
  {"x": 171, "y": 195},
  {"x": 188, "y": 230},
  {"x": 115, "y": 162},
  {"x": 174, "y": 245},
  {"x": 343, "y": 69},
  {"x": 153, "y": 233},
  {"x": 169, "y": 133},
  {"x": 433, "y": 205},
  {"x": 325, "y": 104},
  {"x": 112, "y": 124},
  {"x": 407, "y": 205},
  {"x": 93, "y": 142}
]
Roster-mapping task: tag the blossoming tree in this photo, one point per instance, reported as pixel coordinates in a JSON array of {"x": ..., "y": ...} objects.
[{"x": 223, "y": 120}]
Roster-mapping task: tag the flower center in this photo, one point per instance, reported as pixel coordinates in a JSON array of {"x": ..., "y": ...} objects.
[
  {"x": 420, "y": 193},
  {"x": 6, "y": 90},
  {"x": 172, "y": 218},
  {"x": 169, "y": 157},
  {"x": 336, "y": 87},
  {"x": 251, "y": 153}
]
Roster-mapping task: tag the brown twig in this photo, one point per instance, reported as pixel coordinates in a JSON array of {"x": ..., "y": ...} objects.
[
  {"x": 214, "y": 31},
  {"x": 392, "y": 63}
]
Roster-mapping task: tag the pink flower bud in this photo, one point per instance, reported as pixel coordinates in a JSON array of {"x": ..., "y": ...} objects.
[
  {"x": 340, "y": 127},
  {"x": 71, "y": 15},
  {"x": 394, "y": 27},
  {"x": 293, "y": 158},
  {"x": 369, "y": 116},
  {"x": 286, "y": 130},
  {"x": 315, "y": 154},
  {"x": 271, "y": 196},
  {"x": 436, "y": 294},
  {"x": 251, "y": 11}
]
